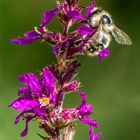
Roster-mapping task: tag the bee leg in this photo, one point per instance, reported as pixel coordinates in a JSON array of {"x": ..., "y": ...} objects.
[{"x": 99, "y": 46}]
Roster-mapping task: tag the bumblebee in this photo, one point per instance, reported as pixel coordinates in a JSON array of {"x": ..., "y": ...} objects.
[{"x": 105, "y": 28}]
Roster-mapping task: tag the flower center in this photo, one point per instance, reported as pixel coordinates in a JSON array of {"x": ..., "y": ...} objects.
[{"x": 44, "y": 101}]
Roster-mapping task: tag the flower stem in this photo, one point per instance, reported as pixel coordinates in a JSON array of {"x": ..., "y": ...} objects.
[{"x": 68, "y": 133}]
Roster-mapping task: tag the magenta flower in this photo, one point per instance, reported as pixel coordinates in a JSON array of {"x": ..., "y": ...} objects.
[
  {"x": 82, "y": 113},
  {"x": 35, "y": 35},
  {"x": 38, "y": 95}
]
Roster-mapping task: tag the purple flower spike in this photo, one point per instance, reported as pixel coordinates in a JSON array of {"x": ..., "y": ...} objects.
[
  {"x": 85, "y": 30},
  {"x": 104, "y": 53},
  {"x": 90, "y": 9},
  {"x": 41, "y": 98},
  {"x": 48, "y": 16}
]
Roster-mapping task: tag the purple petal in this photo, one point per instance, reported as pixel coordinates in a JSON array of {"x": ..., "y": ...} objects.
[
  {"x": 32, "y": 35},
  {"x": 48, "y": 16},
  {"x": 92, "y": 136},
  {"x": 75, "y": 15},
  {"x": 56, "y": 49},
  {"x": 25, "y": 131},
  {"x": 53, "y": 98},
  {"x": 82, "y": 46},
  {"x": 90, "y": 9},
  {"x": 48, "y": 80},
  {"x": 22, "y": 41},
  {"x": 104, "y": 53},
  {"x": 83, "y": 96},
  {"x": 85, "y": 30},
  {"x": 20, "y": 115},
  {"x": 97, "y": 136},
  {"x": 40, "y": 111},
  {"x": 32, "y": 82},
  {"x": 24, "y": 91},
  {"x": 85, "y": 110},
  {"x": 23, "y": 104},
  {"x": 90, "y": 122}
]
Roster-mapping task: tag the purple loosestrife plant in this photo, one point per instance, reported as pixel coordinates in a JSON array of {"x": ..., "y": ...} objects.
[{"x": 42, "y": 97}]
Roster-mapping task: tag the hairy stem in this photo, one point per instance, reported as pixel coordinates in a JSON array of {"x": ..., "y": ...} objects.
[{"x": 68, "y": 133}]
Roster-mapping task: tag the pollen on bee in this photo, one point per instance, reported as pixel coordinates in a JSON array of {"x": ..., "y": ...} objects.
[{"x": 44, "y": 101}]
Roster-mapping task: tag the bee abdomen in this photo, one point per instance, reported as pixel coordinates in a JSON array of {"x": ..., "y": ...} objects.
[{"x": 90, "y": 48}]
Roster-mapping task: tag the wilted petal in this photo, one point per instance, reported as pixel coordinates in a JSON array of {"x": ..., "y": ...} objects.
[
  {"x": 48, "y": 80},
  {"x": 23, "y": 104},
  {"x": 32, "y": 82},
  {"x": 85, "y": 30},
  {"x": 90, "y": 9},
  {"x": 75, "y": 15},
  {"x": 63, "y": 7},
  {"x": 74, "y": 2},
  {"x": 25, "y": 131},
  {"x": 73, "y": 86},
  {"x": 48, "y": 16}
]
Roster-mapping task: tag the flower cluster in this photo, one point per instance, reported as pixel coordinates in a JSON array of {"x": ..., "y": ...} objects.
[{"x": 43, "y": 96}]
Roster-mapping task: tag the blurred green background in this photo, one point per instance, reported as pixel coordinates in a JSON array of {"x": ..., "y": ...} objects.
[{"x": 113, "y": 86}]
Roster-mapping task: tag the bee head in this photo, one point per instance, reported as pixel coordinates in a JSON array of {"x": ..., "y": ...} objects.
[{"x": 107, "y": 21}]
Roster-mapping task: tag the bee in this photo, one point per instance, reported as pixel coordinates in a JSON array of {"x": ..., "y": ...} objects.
[{"x": 105, "y": 28}]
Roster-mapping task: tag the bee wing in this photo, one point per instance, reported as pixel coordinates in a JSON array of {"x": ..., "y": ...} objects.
[{"x": 121, "y": 37}]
